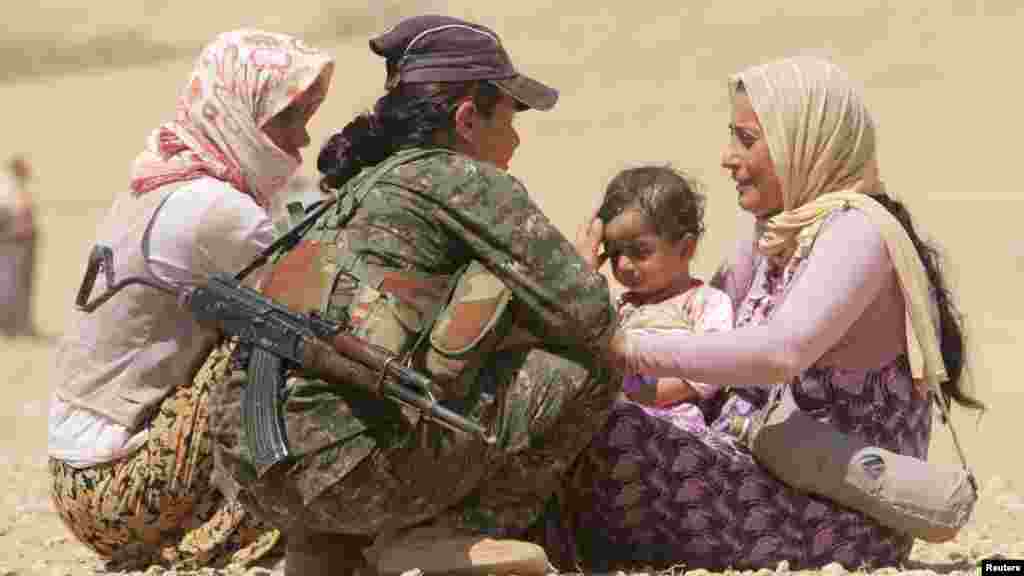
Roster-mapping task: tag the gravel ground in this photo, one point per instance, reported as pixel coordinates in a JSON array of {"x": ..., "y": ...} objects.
[{"x": 33, "y": 540}]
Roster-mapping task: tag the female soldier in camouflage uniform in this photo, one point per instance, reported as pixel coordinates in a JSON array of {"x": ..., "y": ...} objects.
[{"x": 424, "y": 195}]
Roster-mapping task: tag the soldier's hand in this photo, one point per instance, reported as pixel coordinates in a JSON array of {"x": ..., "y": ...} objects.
[
  {"x": 618, "y": 351},
  {"x": 589, "y": 238}
]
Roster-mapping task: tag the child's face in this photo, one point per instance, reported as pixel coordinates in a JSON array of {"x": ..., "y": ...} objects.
[{"x": 642, "y": 261}]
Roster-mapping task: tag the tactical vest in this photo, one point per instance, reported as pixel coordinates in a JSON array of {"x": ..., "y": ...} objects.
[{"x": 446, "y": 326}]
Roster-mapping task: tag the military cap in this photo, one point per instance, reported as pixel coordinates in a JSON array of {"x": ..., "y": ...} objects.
[{"x": 434, "y": 48}]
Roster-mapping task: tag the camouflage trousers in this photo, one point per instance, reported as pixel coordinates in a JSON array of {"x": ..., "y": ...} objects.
[
  {"x": 543, "y": 408},
  {"x": 159, "y": 505}
]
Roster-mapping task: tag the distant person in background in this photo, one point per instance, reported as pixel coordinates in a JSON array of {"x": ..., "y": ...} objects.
[
  {"x": 130, "y": 457},
  {"x": 17, "y": 249}
]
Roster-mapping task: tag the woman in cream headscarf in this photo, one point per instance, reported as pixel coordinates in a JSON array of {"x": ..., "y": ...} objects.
[
  {"x": 836, "y": 300},
  {"x": 130, "y": 455}
]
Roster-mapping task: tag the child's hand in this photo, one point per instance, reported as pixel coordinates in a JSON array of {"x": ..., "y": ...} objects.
[
  {"x": 674, "y": 390},
  {"x": 662, "y": 392}
]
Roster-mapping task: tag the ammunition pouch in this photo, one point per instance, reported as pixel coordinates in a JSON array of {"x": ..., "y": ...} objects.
[
  {"x": 467, "y": 330},
  {"x": 447, "y": 326}
]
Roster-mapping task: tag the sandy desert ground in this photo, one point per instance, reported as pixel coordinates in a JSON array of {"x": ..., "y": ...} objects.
[{"x": 82, "y": 83}]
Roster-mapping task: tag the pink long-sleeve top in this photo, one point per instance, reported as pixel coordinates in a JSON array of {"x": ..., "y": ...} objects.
[{"x": 844, "y": 309}]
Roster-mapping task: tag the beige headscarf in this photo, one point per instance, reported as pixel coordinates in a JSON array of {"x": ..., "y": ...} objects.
[{"x": 822, "y": 142}]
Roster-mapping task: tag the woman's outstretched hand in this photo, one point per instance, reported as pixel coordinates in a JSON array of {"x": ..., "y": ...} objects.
[{"x": 589, "y": 239}]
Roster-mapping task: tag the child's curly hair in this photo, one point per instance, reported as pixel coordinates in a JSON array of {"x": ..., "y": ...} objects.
[{"x": 667, "y": 198}]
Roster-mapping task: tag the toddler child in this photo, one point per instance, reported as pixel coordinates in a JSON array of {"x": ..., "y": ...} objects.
[{"x": 653, "y": 219}]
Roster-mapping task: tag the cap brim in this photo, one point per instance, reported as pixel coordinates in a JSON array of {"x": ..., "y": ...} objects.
[{"x": 529, "y": 92}]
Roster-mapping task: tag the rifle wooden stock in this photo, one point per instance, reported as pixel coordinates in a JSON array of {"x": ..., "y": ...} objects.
[
  {"x": 319, "y": 360},
  {"x": 345, "y": 361},
  {"x": 378, "y": 359},
  {"x": 353, "y": 361}
]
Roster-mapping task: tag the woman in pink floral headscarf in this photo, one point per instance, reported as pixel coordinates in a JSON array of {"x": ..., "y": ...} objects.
[{"x": 129, "y": 453}]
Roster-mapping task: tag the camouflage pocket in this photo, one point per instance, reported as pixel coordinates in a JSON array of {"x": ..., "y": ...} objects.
[
  {"x": 465, "y": 333},
  {"x": 384, "y": 320}
]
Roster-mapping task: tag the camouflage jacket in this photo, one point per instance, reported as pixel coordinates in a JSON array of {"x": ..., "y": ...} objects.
[
  {"x": 435, "y": 214},
  {"x": 432, "y": 216}
]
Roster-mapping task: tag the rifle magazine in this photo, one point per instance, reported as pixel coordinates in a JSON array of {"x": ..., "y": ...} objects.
[{"x": 261, "y": 411}]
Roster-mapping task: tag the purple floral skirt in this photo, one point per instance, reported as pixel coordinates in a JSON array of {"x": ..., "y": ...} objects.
[{"x": 653, "y": 491}]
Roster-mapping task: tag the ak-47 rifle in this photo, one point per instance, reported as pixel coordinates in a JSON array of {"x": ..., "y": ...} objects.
[{"x": 283, "y": 339}]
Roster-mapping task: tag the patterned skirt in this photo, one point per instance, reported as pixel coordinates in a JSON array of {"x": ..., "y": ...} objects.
[
  {"x": 649, "y": 491},
  {"x": 159, "y": 505}
]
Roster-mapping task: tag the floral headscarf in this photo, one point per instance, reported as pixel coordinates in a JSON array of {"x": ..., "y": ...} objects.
[{"x": 241, "y": 80}]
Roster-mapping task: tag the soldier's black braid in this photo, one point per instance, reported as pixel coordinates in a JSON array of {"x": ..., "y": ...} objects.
[{"x": 407, "y": 116}]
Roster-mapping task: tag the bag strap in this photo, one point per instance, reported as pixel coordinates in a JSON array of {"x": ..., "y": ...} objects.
[
  {"x": 148, "y": 232},
  {"x": 397, "y": 159},
  {"x": 944, "y": 414},
  {"x": 289, "y": 239},
  {"x": 352, "y": 264}
]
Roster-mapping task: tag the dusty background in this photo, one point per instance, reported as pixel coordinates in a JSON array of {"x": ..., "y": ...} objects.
[{"x": 82, "y": 83}]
